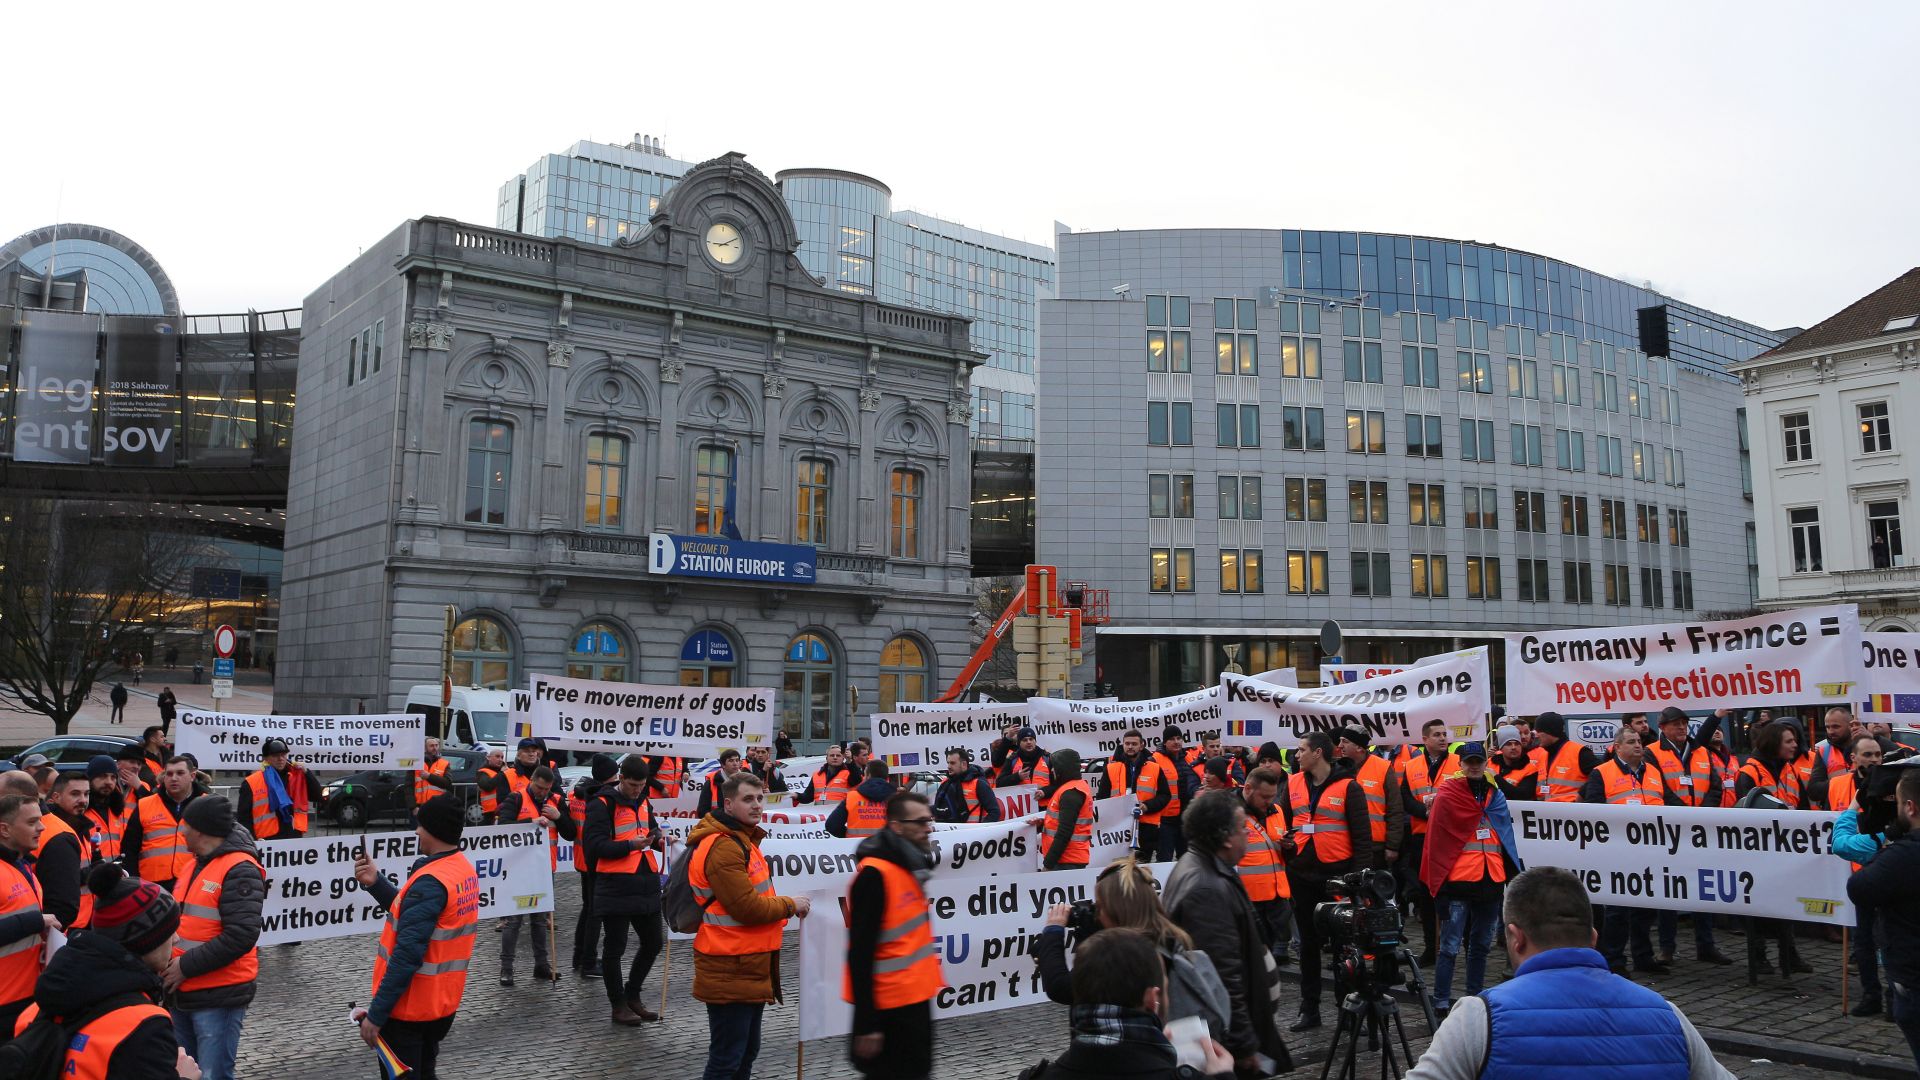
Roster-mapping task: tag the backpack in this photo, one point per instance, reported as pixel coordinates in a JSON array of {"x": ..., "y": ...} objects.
[
  {"x": 678, "y": 904},
  {"x": 40, "y": 1051},
  {"x": 1194, "y": 989}
]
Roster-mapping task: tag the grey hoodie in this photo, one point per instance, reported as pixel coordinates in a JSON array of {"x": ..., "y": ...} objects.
[{"x": 241, "y": 898}]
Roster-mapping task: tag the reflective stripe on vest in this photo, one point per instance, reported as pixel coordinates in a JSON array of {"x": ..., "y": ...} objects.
[
  {"x": 1325, "y": 827},
  {"x": 435, "y": 990},
  {"x": 577, "y": 810},
  {"x": 906, "y": 964},
  {"x": 1373, "y": 778},
  {"x": 1159, "y": 769},
  {"x": 1563, "y": 779},
  {"x": 530, "y": 811},
  {"x": 1623, "y": 790},
  {"x": 1263, "y": 870},
  {"x": 1713, "y": 779},
  {"x": 489, "y": 800},
  {"x": 1786, "y": 788},
  {"x": 630, "y": 824},
  {"x": 91, "y": 1050},
  {"x": 970, "y": 794},
  {"x": 1479, "y": 858},
  {"x": 864, "y": 816},
  {"x": 516, "y": 782},
  {"x": 1840, "y": 790},
  {"x": 1421, "y": 781},
  {"x": 422, "y": 790},
  {"x": 266, "y": 824},
  {"x": 56, "y": 827},
  {"x": 1080, "y": 846},
  {"x": 199, "y": 896},
  {"x": 669, "y": 777},
  {"x": 19, "y": 960},
  {"x": 1672, "y": 772},
  {"x": 163, "y": 847},
  {"x": 112, "y": 828},
  {"x": 720, "y": 934}
]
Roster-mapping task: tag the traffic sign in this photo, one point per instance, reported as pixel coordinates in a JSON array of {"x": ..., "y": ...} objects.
[
  {"x": 222, "y": 689},
  {"x": 223, "y": 667},
  {"x": 223, "y": 641}
]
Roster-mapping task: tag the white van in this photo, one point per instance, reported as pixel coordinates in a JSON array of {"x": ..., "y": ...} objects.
[{"x": 477, "y": 716}]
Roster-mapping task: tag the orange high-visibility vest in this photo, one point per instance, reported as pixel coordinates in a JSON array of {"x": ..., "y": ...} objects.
[
  {"x": 1623, "y": 790},
  {"x": 1563, "y": 778},
  {"x": 1263, "y": 870},
  {"x": 1420, "y": 782},
  {"x": 20, "y": 961},
  {"x": 1080, "y": 848},
  {"x": 1672, "y": 771},
  {"x": 163, "y": 847},
  {"x": 1117, "y": 776},
  {"x": 91, "y": 1050},
  {"x": 516, "y": 780},
  {"x": 1325, "y": 825},
  {"x": 54, "y": 827},
  {"x": 530, "y": 811},
  {"x": 1835, "y": 757},
  {"x": 1480, "y": 858},
  {"x": 1786, "y": 788},
  {"x": 1803, "y": 766},
  {"x": 1497, "y": 768},
  {"x": 830, "y": 791},
  {"x": 1713, "y": 779},
  {"x": 422, "y": 790},
  {"x": 669, "y": 776},
  {"x": 1158, "y": 770},
  {"x": 630, "y": 824},
  {"x": 864, "y": 816},
  {"x": 1373, "y": 778},
  {"x": 970, "y": 794},
  {"x": 721, "y": 934},
  {"x": 489, "y": 800},
  {"x": 111, "y": 827},
  {"x": 577, "y": 810},
  {"x": 906, "y": 966},
  {"x": 198, "y": 893},
  {"x": 1841, "y": 787},
  {"x": 434, "y": 992},
  {"x": 266, "y": 824}
]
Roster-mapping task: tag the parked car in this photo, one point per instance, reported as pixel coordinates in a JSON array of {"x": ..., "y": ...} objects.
[
  {"x": 355, "y": 800},
  {"x": 70, "y": 753}
]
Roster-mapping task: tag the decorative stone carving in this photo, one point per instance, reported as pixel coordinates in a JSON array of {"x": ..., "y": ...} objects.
[
  {"x": 671, "y": 368},
  {"x": 548, "y": 587},
  {"x": 445, "y": 299},
  {"x": 779, "y": 347},
  {"x": 679, "y": 324},
  {"x": 869, "y": 607},
  {"x": 559, "y": 353},
  {"x": 869, "y": 399},
  {"x": 776, "y": 384},
  {"x": 1822, "y": 367},
  {"x": 430, "y": 335},
  {"x": 664, "y": 596},
  {"x": 959, "y": 411},
  {"x": 566, "y": 309}
]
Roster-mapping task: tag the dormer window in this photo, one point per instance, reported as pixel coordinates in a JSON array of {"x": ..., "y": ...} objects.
[{"x": 1902, "y": 322}]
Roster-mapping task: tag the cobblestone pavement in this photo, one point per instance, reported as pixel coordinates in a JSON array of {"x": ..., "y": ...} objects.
[{"x": 298, "y": 1028}]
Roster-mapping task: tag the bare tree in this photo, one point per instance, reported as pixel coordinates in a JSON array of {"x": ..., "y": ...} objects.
[
  {"x": 79, "y": 589},
  {"x": 999, "y": 676}
]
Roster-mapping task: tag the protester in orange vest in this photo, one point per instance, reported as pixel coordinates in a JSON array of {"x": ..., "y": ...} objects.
[
  {"x": 1771, "y": 767},
  {"x": 1515, "y": 771},
  {"x": 153, "y": 753},
  {"x": 539, "y": 802},
  {"x": 1628, "y": 779},
  {"x": 730, "y": 764},
  {"x": 1566, "y": 764},
  {"x": 279, "y": 797},
  {"x": 586, "y": 930},
  {"x": 1470, "y": 857},
  {"x": 136, "y": 777},
  {"x": 1066, "y": 827},
  {"x": 664, "y": 774},
  {"x": 1027, "y": 764},
  {"x": 420, "y": 968},
  {"x": 1386, "y": 795},
  {"x": 66, "y": 853},
  {"x": 155, "y": 846},
  {"x": 215, "y": 965},
  {"x": 1421, "y": 774},
  {"x": 23, "y": 925},
  {"x": 1122, "y": 774},
  {"x": 1830, "y": 758},
  {"x": 966, "y": 795},
  {"x": 487, "y": 780},
  {"x": 863, "y": 812},
  {"x": 109, "y": 806},
  {"x": 736, "y": 951},
  {"x": 624, "y": 842},
  {"x": 1328, "y": 836},
  {"x": 529, "y": 755},
  {"x": 1263, "y": 871},
  {"x": 1167, "y": 784},
  {"x": 761, "y": 764},
  {"x": 831, "y": 781},
  {"x": 114, "y": 970},
  {"x": 433, "y": 778},
  {"x": 893, "y": 967},
  {"x": 1714, "y": 771},
  {"x": 1674, "y": 753}
]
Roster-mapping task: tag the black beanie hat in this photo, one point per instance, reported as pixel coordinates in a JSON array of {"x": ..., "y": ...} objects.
[
  {"x": 210, "y": 814},
  {"x": 603, "y": 768},
  {"x": 137, "y": 914},
  {"x": 1551, "y": 723},
  {"x": 444, "y": 818}
]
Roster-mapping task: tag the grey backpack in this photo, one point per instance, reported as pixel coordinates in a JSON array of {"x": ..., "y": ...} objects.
[{"x": 681, "y": 908}]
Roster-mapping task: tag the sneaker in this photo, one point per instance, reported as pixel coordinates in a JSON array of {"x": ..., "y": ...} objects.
[{"x": 1869, "y": 1006}]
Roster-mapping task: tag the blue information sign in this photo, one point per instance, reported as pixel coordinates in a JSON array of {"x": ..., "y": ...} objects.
[
  {"x": 741, "y": 560},
  {"x": 223, "y": 667},
  {"x": 707, "y": 647}
]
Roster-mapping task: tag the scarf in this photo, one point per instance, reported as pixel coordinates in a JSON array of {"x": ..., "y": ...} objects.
[
  {"x": 894, "y": 848},
  {"x": 279, "y": 802},
  {"x": 1115, "y": 1025},
  {"x": 1451, "y": 821}
]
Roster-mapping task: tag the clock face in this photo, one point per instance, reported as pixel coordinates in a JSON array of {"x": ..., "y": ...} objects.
[{"x": 725, "y": 244}]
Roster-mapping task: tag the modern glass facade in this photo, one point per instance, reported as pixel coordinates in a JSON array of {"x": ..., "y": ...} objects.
[{"x": 121, "y": 278}]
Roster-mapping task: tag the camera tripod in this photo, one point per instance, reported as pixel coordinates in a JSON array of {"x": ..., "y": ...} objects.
[{"x": 1372, "y": 1008}]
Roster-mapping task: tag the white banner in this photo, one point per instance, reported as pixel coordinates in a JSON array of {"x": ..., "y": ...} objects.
[
  {"x": 918, "y": 736},
  {"x": 312, "y": 894},
  {"x": 1772, "y": 864},
  {"x": 684, "y": 721},
  {"x": 1331, "y": 674},
  {"x": 222, "y": 740},
  {"x": 1892, "y": 693},
  {"x": 1805, "y": 656},
  {"x": 1392, "y": 708},
  {"x": 1094, "y": 728}
]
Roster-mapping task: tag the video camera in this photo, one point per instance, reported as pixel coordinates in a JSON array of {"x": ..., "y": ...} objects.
[
  {"x": 1083, "y": 921},
  {"x": 1363, "y": 926}
]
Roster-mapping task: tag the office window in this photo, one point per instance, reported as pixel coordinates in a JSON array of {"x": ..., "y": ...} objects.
[
  {"x": 1683, "y": 590},
  {"x": 1476, "y": 440},
  {"x": 1307, "y": 573},
  {"x": 1483, "y": 577},
  {"x": 1157, "y": 434},
  {"x": 1239, "y": 425},
  {"x": 1566, "y": 384},
  {"x": 713, "y": 473},
  {"x": 1613, "y": 519},
  {"x": 353, "y": 359},
  {"x": 1804, "y": 525},
  {"x": 1300, "y": 357},
  {"x": 1241, "y": 571},
  {"x": 1167, "y": 311},
  {"x": 1884, "y": 547},
  {"x": 1523, "y": 378},
  {"x": 1366, "y": 432},
  {"x": 1612, "y": 461},
  {"x": 1182, "y": 416},
  {"x": 1482, "y": 507},
  {"x": 1420, "y": 365},
  {"x": 1648, "y": 519},
  {"x": 1372, "y": 573},
  {"x": 1678, "y": 533},
  {"x": 908, "y": 489},
  {"x": 1239, "y": 498},
  {"x": 1367, "y": 502},
  {"x": 1577, "y": 581},
  {"x": 1182, "y": 569},
  {"x": 1643, "y": 462},
  {"x": 1421, "y": 328},
  {"x": 1429, "y": 575},
  {"x": 1162, "y": 573},
  {"x": 1169, "y": 350},
  {"x": 1652, "y": 587},
  {"x": 606, "y": 477},
  {"x": 1797, "y": 431},
  {"x": 1306, "y": 499},
  {"x": 1427, "y": 505},
  {"x": 1532, "y": 576},
  {"x": 1606, "y": 392},
  {"x": 1363, "y": 361},
  {"x": 1526, "y": 444},
  {"x": 1876, "y": 428},
  {"x": 813, "y": 490},
  {"x": 489, "y": 471},
  {"x": 1529, "y": 511},
  {"x": 1229, "y": 571},
  {"x": 1236, "y": 354},
  {"x": 1619, "y": 586},
  {"x": 1573, "y": 515},
  {"x": 1302, "y": 429},
  {"x": 1159, "y": 495},
  {"x": 1423, "y": 435},
  {"x": 1570, "y": 450},
  {"x": 1677, "y": 469},
  {"x": 1476, "y": 373}
]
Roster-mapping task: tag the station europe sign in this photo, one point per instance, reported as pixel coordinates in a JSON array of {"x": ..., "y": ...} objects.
[{"x": 740, "y": 560}]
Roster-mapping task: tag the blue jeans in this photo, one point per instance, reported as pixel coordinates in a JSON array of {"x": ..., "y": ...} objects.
[
  {"x": 733, "y": 1041},
  {"x": 1905, "y": 1010},
  {"x": 1474, "y": 922},
  {"x": 211, "y": 1037},
  {"x": 1669, "y": 924}
]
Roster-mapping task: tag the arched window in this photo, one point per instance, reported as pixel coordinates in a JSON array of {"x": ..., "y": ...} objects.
[
  {"x": 708, "y": 658},
  {"x": 903, "y": 673},
  {"x": 599, "y": 651},
  {"x": 482, "y": 654},
  {"x": 808, "y": 689},
  {"x": 908, "y": 490}
]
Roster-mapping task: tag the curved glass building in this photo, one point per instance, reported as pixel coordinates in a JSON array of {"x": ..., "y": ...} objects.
[{"x": 115, "y": 275}]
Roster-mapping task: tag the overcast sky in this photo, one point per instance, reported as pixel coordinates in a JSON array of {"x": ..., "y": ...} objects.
[{"x": 1757, "y": 158}]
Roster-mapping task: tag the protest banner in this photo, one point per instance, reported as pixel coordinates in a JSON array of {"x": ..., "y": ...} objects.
[
  {"x": 1094, "y": 728},
  {"x": 918, "y": 736},
  {"x": 223, "y": 740},
  {"x": 1773, "y": 864},
  {"x": 1391, "y": 709},
  {"x": 1806, "y": 656},
  {"x": 1892, "y": 691},
  {"x": 312, "y": 894},
  {"x": 1331, "y": 674},
  {"x": 683, "y": 721}
]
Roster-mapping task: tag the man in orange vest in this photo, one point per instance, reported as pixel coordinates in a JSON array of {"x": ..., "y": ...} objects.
[
  {"x": 434, "y": 776},
  {"x": 1386, "y": 800},
  {"x": 278, "y": 799},
  {"x": 215, "y": 964},
  {"x": 1027, "y": 764},
  {"x": 664, "y": 774},
  {"x": 966, "y": 795},
  {"x": 1263, "y": 870},
  {"x": 114, "y": 971},
  {"x": 1674, "y": 753},
  {"x": 1514, "y": 770},
  {"x": 586, "y": 930},
  {"x": 831, "y": 781},
  {"x": 863, "y": 812},
  {"x": 109, "y": 806},
  {"x": 893, "y": 967},
  {"x": 1066, "y": 830},
  {"x": 23, "y": 925},
  {"x": 155, "y": 846},
  {"x": 736, "y": 951},
  {"x": 730, "y": 764},
  {"x": 539, "y": 802},
  {"x": 1628, "y": 779},
  {"x": 487, "y": 780},
  {"x": 1421, "y": 774},
  {"x": 420, "y": 968},
  {"x": 1830, "y": 758},
  {"x": 624, "y": 843},
  {"x": 1469, "y": 860},
  {"x": 1328, "y": 836},
  {"x": 1122, "y": 774},
  {"x": 66, "y": 852},
  {"x": 761, "y": 764},
  {"x": 1167, "y": 783}
]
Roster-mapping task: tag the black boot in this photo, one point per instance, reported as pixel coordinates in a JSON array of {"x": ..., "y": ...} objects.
[{"x": 1308, "y": 1020}]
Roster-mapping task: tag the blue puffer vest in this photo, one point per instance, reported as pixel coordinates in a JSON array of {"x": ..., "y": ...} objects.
[{"x": 1564, "y": 1015}]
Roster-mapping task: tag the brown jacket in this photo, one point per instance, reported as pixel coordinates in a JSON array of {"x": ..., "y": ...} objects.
[{"x": 755, "y": 977}]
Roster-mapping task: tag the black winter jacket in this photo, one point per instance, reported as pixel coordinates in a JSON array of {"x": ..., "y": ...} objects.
[
  {"x": 950, "y": 802},
  {"x": 241, "y": 899},
  {"x": 60, "y": 871},
  {"x": 1890, "y": 884},
  {"x": 637, "y": 893},
  {"x": 1204, "y": 897},
  {"x": 92, "y": 969}
]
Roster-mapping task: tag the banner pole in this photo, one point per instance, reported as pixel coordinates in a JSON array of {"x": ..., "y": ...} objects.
[
  {"x": 799, "y": 1060},
  {"x": 666, "y": 974},
  {"x": 1845, "y": 954},
  {"x": 553, "y": 946}
]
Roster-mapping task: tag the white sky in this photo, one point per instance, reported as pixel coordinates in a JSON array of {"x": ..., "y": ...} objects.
[{"x": 1757, "y": 158}]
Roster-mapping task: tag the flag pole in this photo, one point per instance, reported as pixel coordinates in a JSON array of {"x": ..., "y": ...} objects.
[{"x": 1845, "y": 954}]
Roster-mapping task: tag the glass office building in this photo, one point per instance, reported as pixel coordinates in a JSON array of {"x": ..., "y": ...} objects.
[{"x": 114, "y": 275}]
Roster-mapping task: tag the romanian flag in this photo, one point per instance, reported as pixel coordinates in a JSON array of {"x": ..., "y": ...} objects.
[
  {"x": 523, "y": 730},
  {"x": 1893, "y": 703},
  {"x": 1344, "y": 676},
  {"x": 1244, "y": 727},
  {"x": 391, "y": 1067},
  {"x": 903, "y": 760}
]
